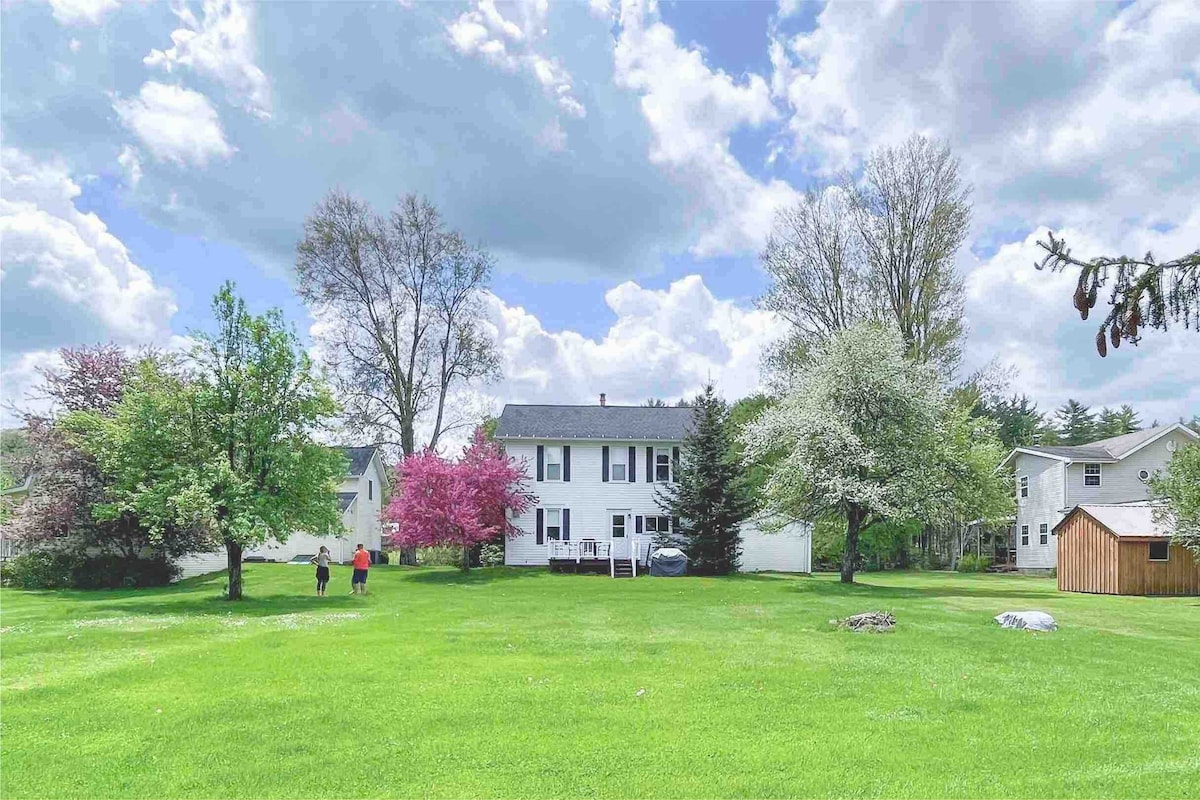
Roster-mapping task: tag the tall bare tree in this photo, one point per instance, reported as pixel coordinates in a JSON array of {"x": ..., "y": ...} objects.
[
  {"x": 397, "y": 301},
  {"x": 879, "y": 248}
]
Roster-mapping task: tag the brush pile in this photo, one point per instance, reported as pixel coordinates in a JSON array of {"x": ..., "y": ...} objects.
[{"x": 871, "y": 621}]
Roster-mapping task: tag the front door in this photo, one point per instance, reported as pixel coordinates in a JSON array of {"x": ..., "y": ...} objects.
[{"x": 618, "y": 529}]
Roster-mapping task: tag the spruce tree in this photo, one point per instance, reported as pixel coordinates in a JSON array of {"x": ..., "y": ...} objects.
[
  {"x": 709, "y": 499},
  {"x": 1076, "y": 424}
]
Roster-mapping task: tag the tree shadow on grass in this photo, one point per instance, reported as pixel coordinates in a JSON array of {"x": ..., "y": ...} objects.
[{"x": 863, "y": 587}]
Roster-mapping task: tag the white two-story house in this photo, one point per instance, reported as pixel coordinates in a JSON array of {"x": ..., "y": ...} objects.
[
  {"x": 1052, "y": 480},
  {"x": 596, "y": 472}
]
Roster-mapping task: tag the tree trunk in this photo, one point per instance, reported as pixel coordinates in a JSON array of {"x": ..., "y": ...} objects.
[
  {"x": 466, "y": 558},
  {"x": 408, "y": 556},
  {"x": 854, "y": 519},
  {"x": 233, "y": 559}
]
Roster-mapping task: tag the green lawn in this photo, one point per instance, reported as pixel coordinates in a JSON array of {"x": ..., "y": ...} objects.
[{"x": 522, "y": 683}]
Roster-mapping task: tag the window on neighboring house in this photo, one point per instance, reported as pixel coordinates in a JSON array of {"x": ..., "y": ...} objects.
[
  {"x": 1091, "y": 474},
  {"x": 1025, "y": 535},
  {"x": 370, "y": 490},
  {"x": 1160, "y": 551},
  {"x": 616, "y": 464},
  {"x": 553, "y": 523},
  {"x": 658, "y": 524},
  {"x": 1043, "y": 533},
  {"x": 662, "y": 464},
  {"x": 554, "y": 463},
  {"x": 1024, "y": 486}
]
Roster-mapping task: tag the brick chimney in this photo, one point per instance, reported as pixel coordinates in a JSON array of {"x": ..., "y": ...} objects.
[{"x": 603, "y": 400}]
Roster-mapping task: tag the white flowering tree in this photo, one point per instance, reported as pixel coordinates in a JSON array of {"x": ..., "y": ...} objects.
[{"x": 861, "y": 432}]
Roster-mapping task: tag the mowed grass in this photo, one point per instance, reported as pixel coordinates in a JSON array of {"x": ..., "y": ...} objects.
[{"x": 520, "y": 683}]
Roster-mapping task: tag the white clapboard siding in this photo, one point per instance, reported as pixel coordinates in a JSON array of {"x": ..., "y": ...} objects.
[
  {"x": 201, "y": 564},
  {"x": 1119, "y": 483},
  {"x": 1044, "y": 505},
  {"x": 789, "y": 550}
]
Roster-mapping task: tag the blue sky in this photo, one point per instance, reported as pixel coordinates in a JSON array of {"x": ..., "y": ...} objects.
[{"x": 622, "y": 162}]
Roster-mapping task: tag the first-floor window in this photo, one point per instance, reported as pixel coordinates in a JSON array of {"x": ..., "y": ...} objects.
[
  {"x": 1160, "y": 551},
  {"x": 1024, "y": 535},
  {"x": 616, "y": 466},
  {"x": 554, "y": 463},
  {"x": 553, "y": 523},
  {"x": 658, "y": 524},
  {"x": 662, "y": 465},
  {"x": 1043, "y": 533}
]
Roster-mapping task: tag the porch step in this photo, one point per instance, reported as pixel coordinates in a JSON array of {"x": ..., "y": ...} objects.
[{"x": 622, "y": 568}]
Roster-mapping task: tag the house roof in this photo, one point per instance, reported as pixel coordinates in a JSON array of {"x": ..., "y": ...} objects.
[
  {"x": 1125, "y": 520},
  {"x": 624, "y": 423},
  {"x": 359, "y": 457},
  {"x": 345, "y": 499},
  {"x": 1105, "y": 450}
]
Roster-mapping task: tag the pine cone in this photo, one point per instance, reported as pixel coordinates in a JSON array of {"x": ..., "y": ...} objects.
[
  {"x": 1115, "y": 332},
  {"x": 1101, "y": 344}
]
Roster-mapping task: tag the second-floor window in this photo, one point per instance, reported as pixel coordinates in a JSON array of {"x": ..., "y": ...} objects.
[
  {"x": 1024, "y": 535},
  {"x": 1023, "y": 486},
  {"x": 662, "y": 464},
  {"x": 1091, "y": 474},
  {"x": 1043, "y": 533},
  {"x": 554, "y": 463},
  {"x": 617, "y": 465}
]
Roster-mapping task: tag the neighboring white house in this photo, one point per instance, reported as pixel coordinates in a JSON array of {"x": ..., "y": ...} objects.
[
  {"x": 359, "y": 499},
  {"x": 596, "y": 471},
  {"x": 1050, "y": 481}
]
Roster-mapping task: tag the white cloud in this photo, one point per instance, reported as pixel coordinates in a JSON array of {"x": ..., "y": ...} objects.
[
  {"x": 68, "y": 259},
  {"x": 510, "y": 45},
  {"x": 219, "y": 46},
  {"x": 81, "y": 12},
  {"x": 131, "y": 161},
  {"x": 19, "y": 377},
  {"x": 692, "y": 110},
  {"x": 663, "y": 343},
  {"x": 175, "y": 124}
]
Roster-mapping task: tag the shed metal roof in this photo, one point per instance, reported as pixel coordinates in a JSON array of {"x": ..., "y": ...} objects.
[
  {"x": 1133, "y": 520},
  {"x": 621, "y": 423}
]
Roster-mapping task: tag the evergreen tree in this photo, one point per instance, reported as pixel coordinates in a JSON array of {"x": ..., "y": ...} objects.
[
  {"x": 1076, "y": 423},
  {"x": 1117, "y": 422},
  {"x": 709, "y": 499},
  {"x": 1129, "y": 419},
  {"x": 1020, "y": 423}
]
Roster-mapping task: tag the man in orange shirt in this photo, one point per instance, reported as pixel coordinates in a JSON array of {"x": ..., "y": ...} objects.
[{"x": 362, "y": 562}]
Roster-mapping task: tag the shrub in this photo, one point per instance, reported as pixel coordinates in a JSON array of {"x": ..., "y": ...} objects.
[
  {"x": 442, "y": 556},
  {"x": 114, "y": 572},
  {"x": 41, "y": 569},
  {"x": 491, "y": 555},
  {"x": 932, "y": 560},
  {"x": 50, "y": 569},
  {"x": 973, "y": 563},
  {"x": 383, "y": 556}
]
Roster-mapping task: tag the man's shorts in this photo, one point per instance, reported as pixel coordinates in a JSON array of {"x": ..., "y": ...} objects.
[{"x": 359, "y": 576}]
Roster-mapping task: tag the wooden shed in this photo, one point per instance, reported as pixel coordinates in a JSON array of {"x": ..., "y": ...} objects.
[{"x": 1120, "y": 549}]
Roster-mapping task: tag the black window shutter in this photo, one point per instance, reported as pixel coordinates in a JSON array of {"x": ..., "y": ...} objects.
[
  {"x": 674, "y": 464},
  {"x": 566, "y": 467},
  {"x": 541, "y": 466},
  {"x": 637, "y": 524},
  {"x": 649, "y": 465},
  {"x": 566, "y": 520},
  {"x": 674, "y": 524},
  {"x": 604, "y": 463},
  {"x": 632, "y": 464},
  {"x": 541, "y": 521}
]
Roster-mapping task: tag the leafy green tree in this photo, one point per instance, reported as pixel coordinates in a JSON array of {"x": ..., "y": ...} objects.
[
  {"x": 709, "y": 497},
  {"x": 741, "y": 414},
  {"x": 1076, "y": 423},
  {"x": 1179, "y": 487},
  {"x": 231, "y": 449}
]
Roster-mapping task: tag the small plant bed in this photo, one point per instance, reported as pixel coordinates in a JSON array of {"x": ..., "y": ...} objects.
[{"x": 870, "y": 621}]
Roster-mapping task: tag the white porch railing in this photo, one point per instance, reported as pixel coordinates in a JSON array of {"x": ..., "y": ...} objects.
[{"x": 581, "y": 549}]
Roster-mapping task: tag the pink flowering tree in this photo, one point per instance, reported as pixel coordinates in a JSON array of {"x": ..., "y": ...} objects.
[{"x": 460, "y": 504}]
